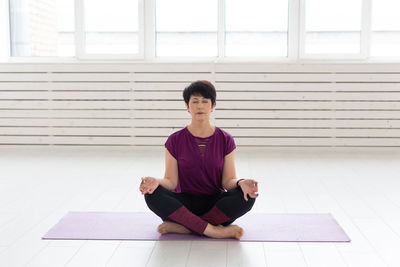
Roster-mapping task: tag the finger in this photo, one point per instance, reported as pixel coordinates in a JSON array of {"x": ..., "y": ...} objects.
[
  {"x": 253, "y": 195},
  {"x": 245, "y": 196},
  {"x": 255, "y": 188}
]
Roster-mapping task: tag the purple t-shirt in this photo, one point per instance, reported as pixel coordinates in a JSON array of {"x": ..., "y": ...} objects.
[{"x": 199, "y": 174}]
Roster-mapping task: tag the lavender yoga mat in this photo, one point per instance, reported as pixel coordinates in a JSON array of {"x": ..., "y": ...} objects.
[{"x": 259, "y": 227}]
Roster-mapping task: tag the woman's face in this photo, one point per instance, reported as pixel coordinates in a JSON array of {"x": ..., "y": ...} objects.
[{"x": 200, "y": 107}]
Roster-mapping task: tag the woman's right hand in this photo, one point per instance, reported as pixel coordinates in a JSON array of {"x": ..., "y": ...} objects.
[{"x": 148, "y": 185}]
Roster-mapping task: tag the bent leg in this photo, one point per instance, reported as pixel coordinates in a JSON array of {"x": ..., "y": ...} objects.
[
  {"x": 166, "y": 205},
  {"x": 230, "y": 206}
]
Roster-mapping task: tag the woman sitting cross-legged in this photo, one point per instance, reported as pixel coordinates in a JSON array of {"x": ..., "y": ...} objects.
[{"x": 199, "y": 192}]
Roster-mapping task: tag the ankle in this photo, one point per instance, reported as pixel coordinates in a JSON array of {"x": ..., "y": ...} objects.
[{"x": 210, "y": 230}]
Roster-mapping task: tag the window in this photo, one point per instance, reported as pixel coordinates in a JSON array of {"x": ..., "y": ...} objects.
[
  {"x": 232, "y": 29},
  {"x": 42, "y": 28},
  {"x": 385, "y": 35},
  {"x": 332, "y": 27},
  {"x": 111, "y": 27},
  {"x": 187, "y": 28},
  {"x": 256, "y": 28}
]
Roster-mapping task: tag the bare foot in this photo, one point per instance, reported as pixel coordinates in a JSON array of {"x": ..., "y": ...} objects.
[
  {"x": 170, "y": 227},
  {"x": 231, "y": 231}
]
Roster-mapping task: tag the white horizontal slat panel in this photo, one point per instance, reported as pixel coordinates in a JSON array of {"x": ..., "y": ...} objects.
[
  {"x": 165, "y": 132},
  {"x": 106, "y": 77},
  {"x": 307, "y": 77},
  {"x": 285, "y": 132},
  {"x": 250, "y": 105},
  {"x": 243, "y": 114},
  {"x": 68, "y": 131},
  {"x": 367, "y": 96},
  {"x": 172, "y": 77},
  {"x": 241, "y": 95},
  {"x": 307, "y": 123},
  {"x": 29, "y": 77},
  {"x": 66, "y": 114},
  {"x": 273, "y": 96},
  {"x": 159, "y": 86},
  {"x": 47, "y": 95},
  {"x": 287, "y": 104},
  {"x": 66, "y": 140},
  {"x": 223, "y": 123},
  {"x": 104, "y": 122},
  {"x": 308, "y": 67},
  {"x": 325, "y": 86},
  {"x": 66, "y": 86},
  {"x": 324, "y": 142},
  {"x": 308, "y": 114},
  {"x": 384, "y": 142},
  {"x": 316, "y": 141},
  {"x": 67, "y": 104}
]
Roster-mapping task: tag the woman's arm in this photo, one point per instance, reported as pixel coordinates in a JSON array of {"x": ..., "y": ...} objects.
[
  {"x": 229, "y": 181},
  {"x": 170, "y": 181},
  {"x": 229, "y": 171}
]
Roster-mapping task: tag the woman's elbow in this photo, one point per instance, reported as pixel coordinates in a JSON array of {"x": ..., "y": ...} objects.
[{"x": 172, "y": 183}]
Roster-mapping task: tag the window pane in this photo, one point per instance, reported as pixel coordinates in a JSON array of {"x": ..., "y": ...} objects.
[
  {"x": 256, "y": 28},
  {"x": 186, "y": 28},
  {"x": 385, "y": 39},
  {"x": 42, "y": 28},
  {"x": 111, "y": 27},
  {"x": 333, "y": 26}
]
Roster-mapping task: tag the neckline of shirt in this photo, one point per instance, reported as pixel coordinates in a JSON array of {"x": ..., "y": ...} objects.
[{"x": 215, "y": 130}]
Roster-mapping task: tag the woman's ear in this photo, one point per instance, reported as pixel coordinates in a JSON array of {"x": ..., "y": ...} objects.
[
  {"x": 213, "y": 107},
  {"x": 187, "y": 107}
]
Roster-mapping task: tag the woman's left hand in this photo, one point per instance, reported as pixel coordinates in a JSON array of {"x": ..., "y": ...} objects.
[{"x": 249, "y": 187}]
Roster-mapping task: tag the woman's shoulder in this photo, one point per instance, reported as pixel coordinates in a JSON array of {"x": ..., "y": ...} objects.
[
  {"x": 226, "y": 141},
  {"x": 174, "y": 141},
  {"x": 223, "y": 133},
  {"x": 179, "y": 133}
]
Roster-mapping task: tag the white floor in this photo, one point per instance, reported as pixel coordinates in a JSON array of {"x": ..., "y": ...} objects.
[{"x": 38, "y": 185}]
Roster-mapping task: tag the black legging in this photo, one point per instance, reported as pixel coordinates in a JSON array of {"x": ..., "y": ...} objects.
[{"x": 196, "y": 211}]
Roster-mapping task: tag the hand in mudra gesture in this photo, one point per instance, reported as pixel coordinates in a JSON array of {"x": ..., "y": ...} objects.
[
  {"x": 249, "y": 187},
  {"x": 148, "y": 185}
]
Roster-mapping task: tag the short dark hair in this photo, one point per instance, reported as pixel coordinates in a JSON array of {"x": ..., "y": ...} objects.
[{"x": 204, "y": 88}]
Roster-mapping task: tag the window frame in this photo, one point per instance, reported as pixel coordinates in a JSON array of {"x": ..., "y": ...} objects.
[
  {"x": 80, "y": 41},
  {"x": 5, "y": 34},
  {"x": 364, "y": 36},
  {"x": 147, "y": 40}
]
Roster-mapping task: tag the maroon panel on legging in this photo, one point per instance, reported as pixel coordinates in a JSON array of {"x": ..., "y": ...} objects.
[
  {"x": 215, "y": 216},
  {"x": 186, "y": 218}
]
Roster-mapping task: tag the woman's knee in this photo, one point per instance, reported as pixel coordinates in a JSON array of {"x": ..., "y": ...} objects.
[
  {"x": 249, "y": 203},
  {"x": 155, "y": 195}
]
